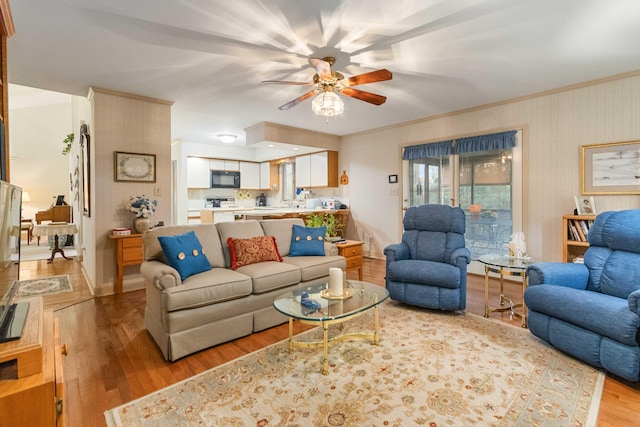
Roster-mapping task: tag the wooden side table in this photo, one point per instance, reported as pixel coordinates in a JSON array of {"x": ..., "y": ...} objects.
[
  {"x": 128, "y": 252},
  {"x": 352, "y": 251}
]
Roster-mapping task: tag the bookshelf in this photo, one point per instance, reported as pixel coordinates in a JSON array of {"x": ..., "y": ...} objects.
[{"x": 575, "y": 230}]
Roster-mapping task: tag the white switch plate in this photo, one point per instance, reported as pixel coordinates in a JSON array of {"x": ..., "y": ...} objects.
[
  {"x": 156, "y": 191},
  {"x": 393, "y": 191}
]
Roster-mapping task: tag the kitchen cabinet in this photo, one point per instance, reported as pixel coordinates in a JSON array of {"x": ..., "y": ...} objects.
[
  {"x": 198, "y": 172},
  {"x": 224, "y": 165},
  {"x": 265, "y": 176},
  {"x": 249, "y": 175},
  {"x": 303, "y": 171},
  {"x": 317, "y": 170}
]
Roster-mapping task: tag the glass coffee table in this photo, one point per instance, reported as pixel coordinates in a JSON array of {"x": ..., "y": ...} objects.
[
  {"x": 358, "y": 298},
  {"x": 506, "y": 266}
]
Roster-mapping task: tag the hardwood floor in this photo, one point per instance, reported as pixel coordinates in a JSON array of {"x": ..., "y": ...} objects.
[{"x": 112, "y": 359}]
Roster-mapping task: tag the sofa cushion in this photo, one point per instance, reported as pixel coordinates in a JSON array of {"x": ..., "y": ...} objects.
[
  {"x": 207, "y": 288},
  {"x": 281, "y": 229},
  {"x": 184, "y": 253},
  {"x": 307, "y": 241},
  {"x": 250, "y": 251},
  {"x": 600, "y": 313},
  {"x": 207, "y": 235},
  {"x": 314, "y": 267},
  {"x": 270, "y": 275},
  {"x": 237, "y": 230}
]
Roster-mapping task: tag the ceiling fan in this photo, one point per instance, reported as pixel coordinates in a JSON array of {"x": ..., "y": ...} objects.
[{"x": 328, "y": 84}]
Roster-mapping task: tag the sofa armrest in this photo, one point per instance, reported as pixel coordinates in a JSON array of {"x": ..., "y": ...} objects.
[
  {"x": 396, "y": 252},
  {"x": 160, "y": 275},
  {"x": 634, "y": 301},
  {"x": 330, "y": 249},
  {"x": 571, "y": 275}
]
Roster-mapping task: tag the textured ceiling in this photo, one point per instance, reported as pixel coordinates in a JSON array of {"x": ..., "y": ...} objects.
[{"x": 210, "y": 56}]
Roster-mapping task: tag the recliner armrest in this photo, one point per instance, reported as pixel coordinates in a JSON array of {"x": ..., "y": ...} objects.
[
  {"x": 558, "y": 273},
  {"x": 396, "y": 252},
  {"x": 160, "y": 275},
  {"x": 634, "y": 301},
  {"x": 463, "y": 253}
]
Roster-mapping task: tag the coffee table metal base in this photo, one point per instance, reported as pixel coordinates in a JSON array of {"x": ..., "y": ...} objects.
[{"x": 374, "y": 337}]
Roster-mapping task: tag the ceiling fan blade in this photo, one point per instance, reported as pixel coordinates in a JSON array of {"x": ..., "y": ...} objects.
[
  {"x": 298, "y": 100},
  {"x": 282, "y": 82},
  {"x": 364, "y": 96},
  {"x": 323, "y": 68},
  {"x": 371, "y": 77}
]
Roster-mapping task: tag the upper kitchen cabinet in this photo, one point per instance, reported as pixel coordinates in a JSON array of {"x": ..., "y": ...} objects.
[
  {"x": 249, "y": 175},
  {"x": 198, "y": 172},
  {"x": 265, "y": 176},
  {"x": 224, "y": 165},
  {"x": 317, "y": 170}
]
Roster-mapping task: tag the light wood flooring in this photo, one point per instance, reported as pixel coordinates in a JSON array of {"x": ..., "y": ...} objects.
[{"x": 113, "y": 360}]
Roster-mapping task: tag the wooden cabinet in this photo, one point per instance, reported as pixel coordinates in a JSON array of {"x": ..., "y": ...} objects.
[
  {"x": 198, "y": 172},
  {"x": 352, "y": 251},
  {"x": 249, "y": 175},
  {"x": 37, "y": 399},
  {"x": 128, "y": 252},
  {"x": 317, "y": 169},
  {"x": 574, "y": 236}
]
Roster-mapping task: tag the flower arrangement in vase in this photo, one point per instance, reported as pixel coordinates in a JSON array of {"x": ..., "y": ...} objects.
[{"x": 143, "y": 208}]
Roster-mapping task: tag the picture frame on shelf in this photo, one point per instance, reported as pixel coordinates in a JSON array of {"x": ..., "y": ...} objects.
[
  {"x": 610, "y": 168},
  {"x": 134, "y": 167},
  {"x": 585, "y": 205}
]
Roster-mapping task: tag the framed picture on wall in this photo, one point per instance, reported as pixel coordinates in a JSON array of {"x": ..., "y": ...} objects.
[
  {"x": 85, "y": 145},
  {"x": 585, "y": 205},
  {"x": 610, "y": 168},
  {"x": 135, "y": 167}
]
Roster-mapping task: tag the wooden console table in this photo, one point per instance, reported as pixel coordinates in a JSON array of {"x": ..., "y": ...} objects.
[
  {"x": 128, "y": 252},
  {"x": 34, "y": 398},
  {"x": 352, "y": 251}
]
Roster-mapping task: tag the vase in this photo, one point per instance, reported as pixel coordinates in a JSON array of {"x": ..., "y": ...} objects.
[{"x": 141, "y": 224}]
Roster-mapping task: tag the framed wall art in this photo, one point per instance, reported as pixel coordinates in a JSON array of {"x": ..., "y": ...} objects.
[
  {"x": 135, "y": 167},
  {"x": 610, "y": 168}
]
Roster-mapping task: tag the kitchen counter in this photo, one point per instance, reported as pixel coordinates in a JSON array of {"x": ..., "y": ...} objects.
[{"x": 209, "y": 214}]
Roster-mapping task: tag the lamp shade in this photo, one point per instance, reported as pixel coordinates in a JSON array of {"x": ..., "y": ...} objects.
[
  {"x": 25, "y": 197},
  {"x": 327, "y": 104}
]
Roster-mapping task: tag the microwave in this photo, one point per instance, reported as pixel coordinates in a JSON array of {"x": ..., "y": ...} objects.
[{"x": 225, "y": 179}]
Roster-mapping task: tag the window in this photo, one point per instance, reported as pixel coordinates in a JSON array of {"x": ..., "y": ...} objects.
[
  {"x": 479, "y": 180},
  {"x": 288, "y": 174}
]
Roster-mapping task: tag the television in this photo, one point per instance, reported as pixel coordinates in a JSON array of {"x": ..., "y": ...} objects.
[{"x": 12, "y": 312}]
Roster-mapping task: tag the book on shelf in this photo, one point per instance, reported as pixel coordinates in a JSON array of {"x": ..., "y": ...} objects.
[
  {"x": 578, "y": 260},
  {"x": 578, "y": 228}
]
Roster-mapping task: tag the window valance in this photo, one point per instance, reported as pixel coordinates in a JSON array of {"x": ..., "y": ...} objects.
[{"x": 488, "y": 142}]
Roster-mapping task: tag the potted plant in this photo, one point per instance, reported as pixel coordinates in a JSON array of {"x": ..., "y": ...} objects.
[{"x": 329, "y": 220}]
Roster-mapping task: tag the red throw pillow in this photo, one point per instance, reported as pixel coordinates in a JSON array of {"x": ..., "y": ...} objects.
[{"x": 250, "y": 251}]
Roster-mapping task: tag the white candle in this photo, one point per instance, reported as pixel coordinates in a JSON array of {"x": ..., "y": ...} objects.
[{"x": 335, "y": 282}]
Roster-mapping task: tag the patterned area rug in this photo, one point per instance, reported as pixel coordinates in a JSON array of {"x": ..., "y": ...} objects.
[
  {"x": 430, "y": 369},
  {"x": 44, "y": 286}
]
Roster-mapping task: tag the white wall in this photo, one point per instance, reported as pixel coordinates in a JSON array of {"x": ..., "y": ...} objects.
[
  {"x": 35, "y": 136},
  {"x": 556, "y": 125}
]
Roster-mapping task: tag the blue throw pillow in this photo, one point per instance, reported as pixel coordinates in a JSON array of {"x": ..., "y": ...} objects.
[
  {"x": 307, "y": 241},
  {"x": 184, "y": 253}
]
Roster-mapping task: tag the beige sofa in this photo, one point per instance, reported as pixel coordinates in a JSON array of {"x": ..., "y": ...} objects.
[{"x": 221, "y": 304}]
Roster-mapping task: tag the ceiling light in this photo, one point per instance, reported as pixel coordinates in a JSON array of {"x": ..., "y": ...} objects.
[
  {"x": 270, "y": 145},
  {"x": 227, "y": 138},
  {"x": 328, "y": 104}
]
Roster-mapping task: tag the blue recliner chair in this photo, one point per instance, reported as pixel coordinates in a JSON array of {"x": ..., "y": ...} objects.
[
  {"x": 429, "y": 268},
  {"x": 592, "y": 310}
]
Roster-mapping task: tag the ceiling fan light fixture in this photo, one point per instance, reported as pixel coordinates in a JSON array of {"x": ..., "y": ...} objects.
[
  {"x": 328, "y": 103},
  {"x": 227, "y": 138}
]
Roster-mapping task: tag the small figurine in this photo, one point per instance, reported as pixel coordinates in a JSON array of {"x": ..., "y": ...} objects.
[{"x": 308, "y": 302}]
